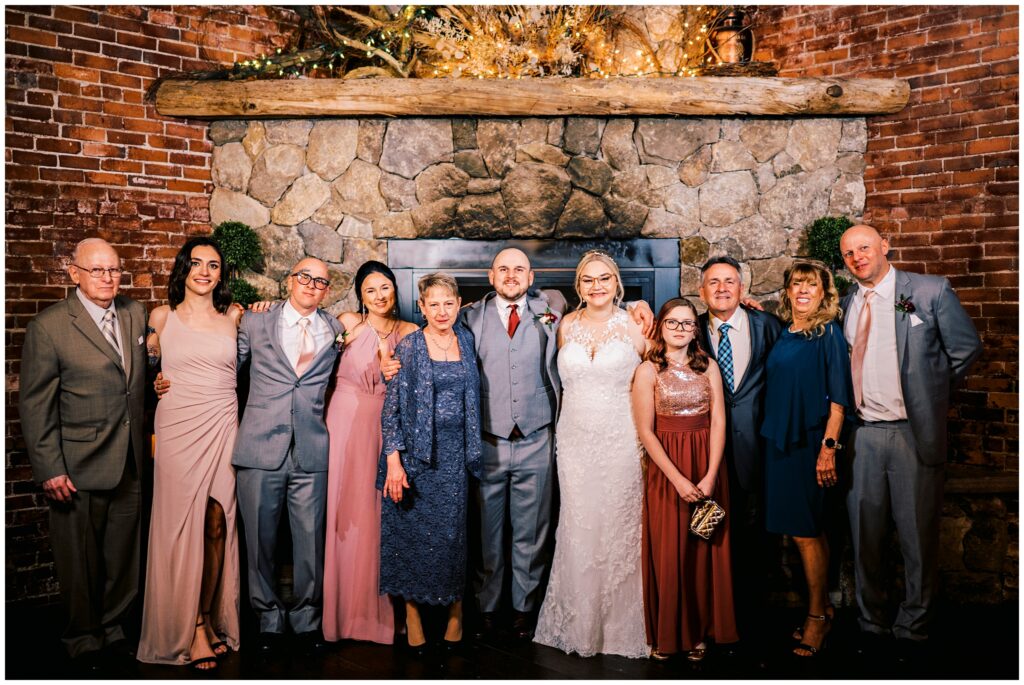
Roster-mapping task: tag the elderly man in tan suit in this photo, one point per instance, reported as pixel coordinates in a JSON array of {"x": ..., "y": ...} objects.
[{"x": 82, "y": 386}]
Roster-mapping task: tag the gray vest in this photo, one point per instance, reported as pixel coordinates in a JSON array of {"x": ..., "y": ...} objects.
[{"x": 514, "y": 387}]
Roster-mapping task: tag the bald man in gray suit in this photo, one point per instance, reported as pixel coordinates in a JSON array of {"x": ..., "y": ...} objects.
[{"x": 911, "y": 341}]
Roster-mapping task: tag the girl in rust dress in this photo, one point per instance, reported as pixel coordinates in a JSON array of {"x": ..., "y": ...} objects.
[{"x": 680, "y": 417}]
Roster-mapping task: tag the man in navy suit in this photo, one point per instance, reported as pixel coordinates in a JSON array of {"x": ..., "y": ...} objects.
[
  {"x": 739, "y": 339},
  {"x": 911, "y": 341}
]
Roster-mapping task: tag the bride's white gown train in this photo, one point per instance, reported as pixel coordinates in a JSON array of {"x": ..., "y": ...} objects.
[{"x": 594, "y": 600}]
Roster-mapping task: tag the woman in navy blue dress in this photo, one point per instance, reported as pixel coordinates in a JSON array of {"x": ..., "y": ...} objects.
[
  {"x": 808, "y": 390},
  {"x": 431, "y": 430}
]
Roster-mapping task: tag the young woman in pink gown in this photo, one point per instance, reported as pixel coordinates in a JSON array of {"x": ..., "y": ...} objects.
[
  {"x": 190, "y": 611},
  {"x": 353, "y": 606}
]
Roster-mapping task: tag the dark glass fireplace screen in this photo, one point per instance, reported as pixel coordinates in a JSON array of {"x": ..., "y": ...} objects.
[{"x": 649, "y": 266}]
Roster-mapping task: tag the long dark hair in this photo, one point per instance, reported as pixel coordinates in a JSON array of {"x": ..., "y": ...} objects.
[
  {"x": 698, "y": 357},
  {"x": 374, "y": 267},
  {"x": 183, "y": 266}
]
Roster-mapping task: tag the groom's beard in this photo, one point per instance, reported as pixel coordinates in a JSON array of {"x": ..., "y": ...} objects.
[{"x": 512, "y": 292}]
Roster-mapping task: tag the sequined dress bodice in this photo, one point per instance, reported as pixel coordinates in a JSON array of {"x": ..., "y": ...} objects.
[{"x": 681, "y": 391}]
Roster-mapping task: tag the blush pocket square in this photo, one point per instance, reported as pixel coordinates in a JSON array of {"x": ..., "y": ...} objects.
[
  {"x": 915, "y": 320},
  {"x": 140, "y": 341}
]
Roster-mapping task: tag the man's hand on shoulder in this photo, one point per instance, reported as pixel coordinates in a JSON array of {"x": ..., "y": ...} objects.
[{"x": 59, "y": 488}]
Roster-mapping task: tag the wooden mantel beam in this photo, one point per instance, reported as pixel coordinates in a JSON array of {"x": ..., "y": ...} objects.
[{"x": 700, "y": 96}]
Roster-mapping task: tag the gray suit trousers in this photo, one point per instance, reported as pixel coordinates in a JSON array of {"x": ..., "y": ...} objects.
[
  {"x": 95, "y": 542},
  {"x": 261, "y": 496},
  {"x": 517, "y": 475},
  {"x": 888, "y": 478}
]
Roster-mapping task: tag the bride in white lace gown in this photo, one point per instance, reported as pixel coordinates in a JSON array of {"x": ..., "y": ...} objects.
[{"x": 594, "y": 600}]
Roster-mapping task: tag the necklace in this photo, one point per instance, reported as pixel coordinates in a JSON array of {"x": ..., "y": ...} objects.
[
  {"x": 394, "y": 324},
  {"x": 446, "y": 347}
]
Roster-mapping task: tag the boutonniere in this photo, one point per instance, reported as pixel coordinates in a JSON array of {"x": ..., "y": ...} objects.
[
  {"x": 548, "y": 318},
  {"x": 904, "y": 305},
  {"x": 339, "y": 340}
]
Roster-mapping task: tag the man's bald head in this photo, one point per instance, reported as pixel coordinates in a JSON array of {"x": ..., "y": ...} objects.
[
  {"x": 306, "y": 297},
  {"x": 865, "y": 253},
  {"x": 95, "y": 253},
  {"x": 510, "y": 273}
]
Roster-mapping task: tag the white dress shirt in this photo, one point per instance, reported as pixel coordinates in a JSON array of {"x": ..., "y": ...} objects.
[
  {"x": 503, "y": 308},
  {"x": 739, "y": 337},
  {"x": 883, "y": 396},
  {"x": 291, "y": 332},
  {"x": 96, "y": 312}
]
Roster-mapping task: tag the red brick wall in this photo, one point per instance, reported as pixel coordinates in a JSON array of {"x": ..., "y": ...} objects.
[
  {"x": 87, "y": 155},
  {"x": 942, "y": 175}
]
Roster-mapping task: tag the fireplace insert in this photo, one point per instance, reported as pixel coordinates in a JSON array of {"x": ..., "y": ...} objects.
[{"x": 649, "y": 266}]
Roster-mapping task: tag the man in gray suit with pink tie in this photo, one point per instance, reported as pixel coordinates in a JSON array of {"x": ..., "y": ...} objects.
[{"x": 911, "y": 341}]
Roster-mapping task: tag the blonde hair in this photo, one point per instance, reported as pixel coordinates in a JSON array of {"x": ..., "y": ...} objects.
[
  {"x": 606, "y": 259},
  {"x": 438, "y": 279},
  {"x": 828, "y": 310}
]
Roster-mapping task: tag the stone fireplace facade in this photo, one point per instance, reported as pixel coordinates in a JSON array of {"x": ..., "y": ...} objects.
[{"x": 337, "y": 189}]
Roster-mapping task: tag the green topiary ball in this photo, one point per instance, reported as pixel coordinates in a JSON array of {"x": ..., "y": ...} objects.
[
  {"x": 243, "y": 292},
  {"x": 240, "y": 245},
  {"x": 823, "y": 240}
]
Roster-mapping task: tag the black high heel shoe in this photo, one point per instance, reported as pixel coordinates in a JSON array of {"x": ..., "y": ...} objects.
[{"x": 813, "y": 652}]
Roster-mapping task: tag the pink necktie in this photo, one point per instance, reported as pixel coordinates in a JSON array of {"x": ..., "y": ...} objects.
[
  {"x": 860, "y": 346},
  {"x": 305, "y": 348}
]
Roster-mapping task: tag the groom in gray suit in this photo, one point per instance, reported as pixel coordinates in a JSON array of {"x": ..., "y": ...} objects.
[
  {"x": 911, "y": 341},
  {"x": 281, "y": 451},
  {"x": 514, "y": 329}
]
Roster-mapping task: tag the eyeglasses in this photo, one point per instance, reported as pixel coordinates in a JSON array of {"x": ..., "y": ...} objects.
[
  {"x": 113, "y": 271},
  {"x": 305, "y": 279},
  {"x": 688, "y": 325},
  {"x": 588, "y": 282}
]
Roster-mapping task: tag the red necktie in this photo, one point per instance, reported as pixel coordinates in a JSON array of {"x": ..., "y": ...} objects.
[{"x": 513, "y": 319}]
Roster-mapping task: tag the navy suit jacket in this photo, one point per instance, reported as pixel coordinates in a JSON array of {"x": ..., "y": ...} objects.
[{"x": 744, "y": 406}]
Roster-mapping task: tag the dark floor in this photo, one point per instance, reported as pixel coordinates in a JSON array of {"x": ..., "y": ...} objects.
[{"x": 968, "y": 642}]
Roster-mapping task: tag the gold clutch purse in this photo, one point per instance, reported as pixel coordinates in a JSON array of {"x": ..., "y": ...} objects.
[{"x": 706, "y": 517}]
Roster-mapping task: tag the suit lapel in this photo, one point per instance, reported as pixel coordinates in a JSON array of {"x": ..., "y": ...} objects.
[
  {"x": 273, "y": 323},
  {"x": 902, "y": 319},
  {"x": 756, "y": 328},
  {"x": 84, "y": 323},
  {"x": 537, "y": 306},
  {"x": 326, "y": 318},
  {"x": 475, "y": 317},
  {"x": 124, "y": 317}
]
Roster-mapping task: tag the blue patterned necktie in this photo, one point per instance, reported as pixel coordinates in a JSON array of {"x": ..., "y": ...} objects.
[{"x": 725, "y": 354}]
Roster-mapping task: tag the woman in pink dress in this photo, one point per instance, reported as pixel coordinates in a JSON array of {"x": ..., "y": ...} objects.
[
  {"x": 190, "y": 611},
  {"x": 353, "y": 605}
]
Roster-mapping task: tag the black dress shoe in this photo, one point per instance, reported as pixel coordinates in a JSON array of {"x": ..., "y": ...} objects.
[
  {"x": 487, "y": 623},
  {"x": 269, "y": 643},
  {"x": 88, "y": 664},
  {"x": 522, "y": 625},
  {"x": 911, "y": 652},
  {"x": 872, "y": 645},
  {"x": 121, "y": 650},
  {"x": 312, "y": 641}
]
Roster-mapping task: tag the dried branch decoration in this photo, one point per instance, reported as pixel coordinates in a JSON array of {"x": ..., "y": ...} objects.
[{"x": 486, "y": 41}]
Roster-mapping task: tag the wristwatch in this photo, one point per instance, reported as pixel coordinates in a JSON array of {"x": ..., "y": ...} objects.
[{"x": 831, "y": 444}]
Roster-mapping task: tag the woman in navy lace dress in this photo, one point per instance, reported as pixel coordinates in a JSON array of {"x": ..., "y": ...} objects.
[{"x": 431, "y": 427}]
